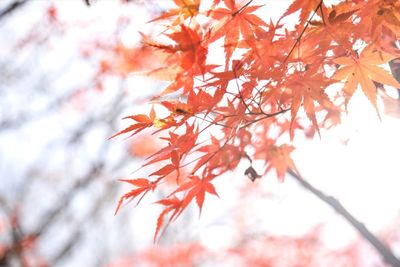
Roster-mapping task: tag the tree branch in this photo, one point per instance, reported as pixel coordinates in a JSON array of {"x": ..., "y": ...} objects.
[
  {"x": 12, "y": 7},
  {"x": 383, "y": 250}
]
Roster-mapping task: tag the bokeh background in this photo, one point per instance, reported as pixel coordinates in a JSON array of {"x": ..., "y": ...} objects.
[{"x": 69, "y": 72}]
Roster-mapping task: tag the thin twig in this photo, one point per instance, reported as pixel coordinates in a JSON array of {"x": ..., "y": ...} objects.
[{"x": 242, "y": 8}]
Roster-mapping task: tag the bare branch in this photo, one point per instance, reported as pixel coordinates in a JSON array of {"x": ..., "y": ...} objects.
[
  {"x": 383, "y": 250},
  {"x": 12, "y": 7}
]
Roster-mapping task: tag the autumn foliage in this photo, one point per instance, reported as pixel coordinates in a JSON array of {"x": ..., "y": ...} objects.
[{"x": 272, "y": 81}]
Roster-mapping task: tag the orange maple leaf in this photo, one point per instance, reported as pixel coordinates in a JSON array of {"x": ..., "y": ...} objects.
[
  {"x": 277, "y": 157},
  {"x": 198, "y": 187},
  {"x": 186, "y": 9},
  {"x": 233, "y": 21},
  {"x": 306, "y": 8},
  {"x": 364, "y": 71},
  {"x": 143, "y": 186},
  {"x": 306, "y": 89},
  {"x": 171, "y": 204},
  {"x": 143, "y": 122}
]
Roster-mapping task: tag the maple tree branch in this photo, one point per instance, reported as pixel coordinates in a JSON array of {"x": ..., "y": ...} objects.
[
  {"x": 12, "y": 7},
  {"x": 240, "y": 93},
  {"x": 258, "y": 93},
  {"x": 242, "y": 8},
  {"x": 268, "y": 115},
  {"x": 383, "y": 250},
  {"x": 213, "y": 122}
]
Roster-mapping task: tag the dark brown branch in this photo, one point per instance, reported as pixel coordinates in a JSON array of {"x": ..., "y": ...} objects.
[
  {"x": 395, "y": 69},
  {"x": 12, "y": 7},
  {"x": 383, "y": 250},
  {"x": 242, "y": 8}
]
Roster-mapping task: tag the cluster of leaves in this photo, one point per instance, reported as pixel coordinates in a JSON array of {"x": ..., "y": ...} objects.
[
  {"x": 248, "y": 106},
  {"x": 308, "y": 249}
]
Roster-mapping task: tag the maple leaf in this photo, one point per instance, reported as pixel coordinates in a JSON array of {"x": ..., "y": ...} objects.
[
  {"x": 233, "y": 21},
  {"x": 178, "y": 146},
  {"x": 127, "y": 60},
  {"x": 277, "y": 157},
  {"x": 218, "y": 158},
  {"x": 187, "y": 57},
  {"x": 232, "y": 115},
  {"x": 384, "y": 14},
  {"x": 144, "y": 145},
  {"x": 336, "y": 25},
  {"x": 171, "y": 204},
  {"x": 188, "y": 42},
  {"x": 196, "y": 188},
  {"x": 143, "y": 186},
  {"x": 143, "y": 122},
  {"x": 305, "y": 88},
  {"x": 380, "y": 24},
  {"x": 364, "y": 71},
  {"x": 306, "y": 8},
  {"x": 186, "y": 9}
]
